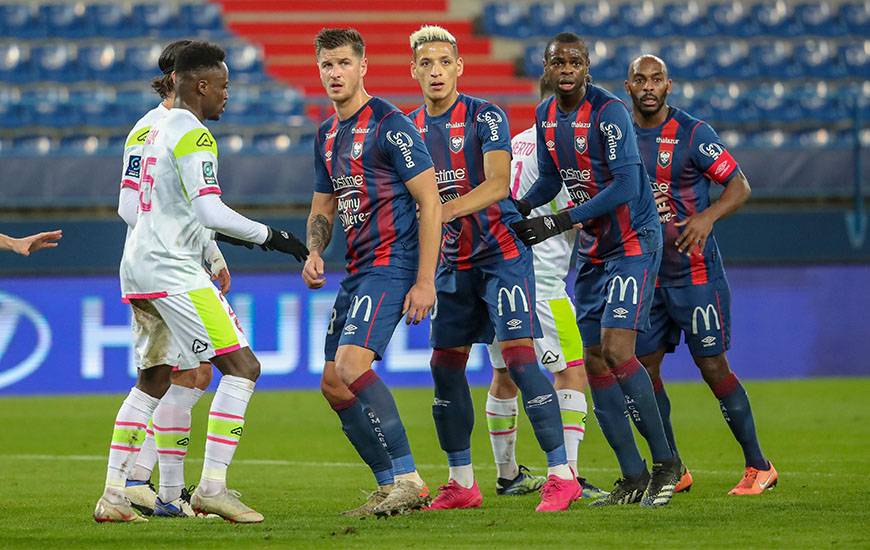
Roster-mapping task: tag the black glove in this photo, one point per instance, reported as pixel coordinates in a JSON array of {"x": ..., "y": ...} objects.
[
  {"x": 535, "y": 230},
  {"x": 523, "y": 207},
  {"x": 232, "y": 240},
  {"x": 286, "y": 242}
]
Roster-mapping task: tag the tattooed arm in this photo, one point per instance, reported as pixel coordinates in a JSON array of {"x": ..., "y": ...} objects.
[{"x": 320, "y": 222}]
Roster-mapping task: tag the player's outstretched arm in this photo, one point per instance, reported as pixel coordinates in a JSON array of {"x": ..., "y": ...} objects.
[
  {"x": 421, "y": 297},
  {"x": 217, "y": 216},
  {"x": 496, "y": 186},
  {"x": 697, "y": 228},
  {"x": 320, "y": 221},
  {"x": 32, "y": 243}
]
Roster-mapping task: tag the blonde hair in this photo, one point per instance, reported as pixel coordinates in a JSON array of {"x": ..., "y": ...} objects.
[{"x": 432, "y": 33}]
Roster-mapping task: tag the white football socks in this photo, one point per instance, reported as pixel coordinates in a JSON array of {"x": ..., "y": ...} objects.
[
  {"x": 172, "y": 435},
  {"x": 572, "y": 404},
  {"x": 128, "y": 436},
  {"x": 501, "y": 419},
  {"x": 226, "y": 421}
]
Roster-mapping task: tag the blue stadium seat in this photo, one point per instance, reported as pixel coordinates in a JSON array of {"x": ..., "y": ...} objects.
[
  {"x": 140, "y": 62},
  {"x": 271, "y": 143},
  {"x": 138, "y": 99},
  {"x": 103, "y": 62},
  {"x": 821, "y": 138},
  {"x": 232, "y": 143},
  {"x": 533, "y": 60},
  {"x": 245, "y": 63},
  {"x": 550, "y": 18},
  {"x": 776, "y": 19},
  {"x": 33, "y": 145},
  {"x": 597, "y": 19},
  {"x": 687, "y": 60},
  {"x": 603, "y": 62},
  {"x": 13, "y": 115},
  {"x": 644, "y": 20},
  {"x": 823, "y": 110},
  {"x": 732, "y": 19},
  {"x": 281, "y": 101},
  {"x": 776, "y": 109},
  {"x": 21, "y": 21},
  {"x": 158, "y": 19},
  {"x": 112, "y": 21},
  {"x": 65, "y": 20},
  {"x": 106, "y": 114},
  {"x": 51, "y": 114},
  {"x": 629, "y": 51},
  {"x": 15, "y": 63},
  {"x": 732, "y": 138},
  {"x": 820, "y": 18},
  {"x": 775, "y": 59},
  {"x": 820, "y": 58},
  {"x": 856, "y": 57},
  {"x": 56, "y": 63},
  {"x": 856, "y": 17},
  {"x": 240, "y": 112},
  {"x": 203, "y": 17},
  {"x": 732, "y": 60},
  {"x": 507, "y": 19},
  {"x": 687, "y": 19},
  {"x": 81, "y": 145}
]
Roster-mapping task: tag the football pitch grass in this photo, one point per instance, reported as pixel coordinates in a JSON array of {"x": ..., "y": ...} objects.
[{"x": 295, "y": 466}]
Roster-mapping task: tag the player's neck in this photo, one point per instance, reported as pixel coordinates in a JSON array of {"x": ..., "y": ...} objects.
[
  {"x": 437, "y": 107},
  {"x": 351, "y": 105},
  {"x": 168, "y": 102},
  {"x": 651, "y": 121},
  {"x": 195, "y": 109},
  {"x": 571, "y": 102}
]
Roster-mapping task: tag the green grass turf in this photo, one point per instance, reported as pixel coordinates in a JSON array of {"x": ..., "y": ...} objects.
[{"x": 816, "y": 432}]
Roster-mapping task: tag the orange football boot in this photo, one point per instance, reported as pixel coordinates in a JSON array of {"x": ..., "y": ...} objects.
[
  {"x": 685, "y": 483},
  {"x": 756, "y": 481}
]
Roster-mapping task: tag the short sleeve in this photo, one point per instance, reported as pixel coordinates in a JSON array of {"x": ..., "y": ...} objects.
[
  {"x": 131, "y": 169},
  {"x": 710, "y": 156},
  {"x": 618, "y": 136},
  {"x": 196, "y": 155},
  {"x": 322, "y": 181},
  {"x": 492, "y": 128},
  {"x": 402, "y": 146}
]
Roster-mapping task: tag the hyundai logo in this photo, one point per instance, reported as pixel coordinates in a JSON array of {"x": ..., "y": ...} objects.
[{"x": 15, "y": 314}]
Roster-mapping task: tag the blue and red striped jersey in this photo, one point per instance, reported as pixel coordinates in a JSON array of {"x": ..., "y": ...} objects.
[
  {"x": 581, "y": 149},
  {"x": 365, "y": 161},
  {"x": 457, "y": 141},
  {"x": 682, "y": 157}
]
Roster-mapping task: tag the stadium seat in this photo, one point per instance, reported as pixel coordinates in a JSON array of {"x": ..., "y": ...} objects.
[
  {"x": 204, "y": 17},
  {"x": 775, "y": 109},
  {"x": 21, "y": 21},
  {"x": 687, "y": 60},
  {"x": 732, "y": 60},
  {"x": 271, "y": 143},
  {"x": 644, "y": 20},
  {"x": 158, "y": 19},
  {"x": 103, "y": 62},
  {"x": 112, "y": 21},
  {"x": 15, "y": 63},
  {"x": 81, "y": 145},
  {"x": 597, "y": 19},
  {"x": 775, "y": 59},
  {"x": 687, "y": 19},
  {"x": 732, "y": 19},
  {"x": 246, "y": 63},
  {"x": 33, "y": 145},
  {"x": 14, "y": 115},
  {"x": 856, "y": 57},
  {"x": 776, "y": 19},
  {"x": 140, "y": 62},
  {"x": 550, "y": 18},
  {"x": 732, "y": 138},
  {"x": 820, "y": 58},
  {"x": 602, "y": 61},
  {"x": 281, "y": 101},
  {"x": 56, "y": 63},
  {"x": 820, "y": 18},
  {"x": 66, "y": 20},
  {"x": 532, "y": 60},
  {"x": 856, "y": 17},
  {"x": 508, "y": 19}
]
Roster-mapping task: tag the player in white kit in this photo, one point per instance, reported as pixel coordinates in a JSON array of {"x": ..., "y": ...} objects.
[
  {"x": 162, "y": 369},
  {"x": 560, "y": 350},
  {"x": 161, "y": 275}
]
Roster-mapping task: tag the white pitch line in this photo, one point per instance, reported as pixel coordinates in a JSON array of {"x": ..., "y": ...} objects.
[{"x": 314, "y": 464}]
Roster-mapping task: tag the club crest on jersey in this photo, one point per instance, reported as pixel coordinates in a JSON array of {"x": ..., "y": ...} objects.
[
  {"x": 456, "y": 143},
  {"x": 665, "y": 158},
  {"x": 356, "y": 149},
  {"x": 580, "y": 144}
]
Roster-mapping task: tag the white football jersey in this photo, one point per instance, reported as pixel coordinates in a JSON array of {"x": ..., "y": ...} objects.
[
  {"x": 552, "y": 257},
  {"x": 132, "y": 166},
  {"x": 163, "y": 255}
]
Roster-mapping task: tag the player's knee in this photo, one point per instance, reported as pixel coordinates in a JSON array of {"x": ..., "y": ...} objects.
[
  {"x": 502, "y": 386},
  {"x": 334, "y": 392},
  {"x": 593, "y": 361},
  {"x": 616, "y": 354},
  {"x": 154, "y": 381},
  {"x": 204, "y": 375},
  {"x": 570, "y": 378},
  {"x": 713, "y": 369}
]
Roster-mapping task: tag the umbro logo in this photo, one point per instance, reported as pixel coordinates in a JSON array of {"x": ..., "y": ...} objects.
[
  {"x": 198, "y": 346},
  {"x": 205, "y": 140},
  {"x": 350, "y": 329},
  {"x": 440, "y": 402},
  {"x": 708, "y": 341},
  {"x": 549, "y": 358},
  {"x": 620, "y": 313},
  {"x": 539, "y": 400},
  {"x": 514, "y": 324}
]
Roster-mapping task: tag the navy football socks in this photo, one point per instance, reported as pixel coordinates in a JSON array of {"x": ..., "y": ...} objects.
[
  {"x": 664, "y": 404},
  {"x": 609, "y": 404},
  {"x": 453, "y": 408},
  {"x": 637, "y": 388},
  {"x": 738, "y": 414},
  {"x": 374, "y": 395},
  {"x": 358, "y": 426},
  {"x": 539, "y": 401}
]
